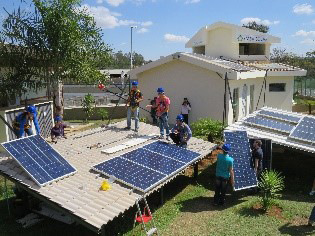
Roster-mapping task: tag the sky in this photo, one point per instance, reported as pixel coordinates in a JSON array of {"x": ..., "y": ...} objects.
[{"x": 164, "y": 26}]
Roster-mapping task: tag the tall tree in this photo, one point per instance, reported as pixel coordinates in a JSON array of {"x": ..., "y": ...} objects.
[
  {"x": 63, "y": 42},
  {"x": 255, "y": 26}
]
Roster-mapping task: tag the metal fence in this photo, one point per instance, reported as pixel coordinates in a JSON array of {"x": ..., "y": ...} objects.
[{"x": 305, "y": 86}]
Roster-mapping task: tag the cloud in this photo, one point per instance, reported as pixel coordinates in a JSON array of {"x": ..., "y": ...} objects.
[
  {"x": 304, "y": 33},
  {"x": 115, "y": 3},
  {"x": 303, "y": 9},
  {"x": 246, "y": 20},
  {"x": 106, "y": 19},
  {"x": 191, "y": 1},
  {"x": 99, "y": 1},
  {"x": 308, "y": 41},
  {"x": 313, "y": 21},
  {"x": 142, "y": 30},
  {"x": 175, "y": 38}
]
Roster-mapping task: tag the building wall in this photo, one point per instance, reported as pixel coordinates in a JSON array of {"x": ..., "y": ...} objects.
[
  {"x": 219, "y": 43},
  {"x": 203, "y": 88},
  {"x": 280, "y": 100}
]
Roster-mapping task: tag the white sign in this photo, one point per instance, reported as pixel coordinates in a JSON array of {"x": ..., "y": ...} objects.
[{"x": 251, "y": 38}]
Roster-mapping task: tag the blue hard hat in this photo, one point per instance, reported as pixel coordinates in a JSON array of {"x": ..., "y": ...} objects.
[
  {"x": 31, "y": 109},
  {"x": 58, "y": 118},
  {"x": 180, "y": 117},
  {"x": 226, "y": 147},
  {"x": 134, "y": 83},
  {"x": 160, "y": 90}
]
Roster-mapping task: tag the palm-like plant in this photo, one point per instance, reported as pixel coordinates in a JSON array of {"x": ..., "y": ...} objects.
[{"x": 271, "y": 183}]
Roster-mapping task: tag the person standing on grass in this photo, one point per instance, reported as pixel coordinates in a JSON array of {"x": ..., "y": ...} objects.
[
  {"x": 135, "y": 97},
  {"x": 186, "y": 108},
  {"x": 224, "y": 172},
  {"x": 256, "y": 161},
  {"x": 162, "y": 109}
]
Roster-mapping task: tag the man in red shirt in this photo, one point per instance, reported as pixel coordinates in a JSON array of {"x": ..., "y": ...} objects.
[{"x": 162, "y": 109}]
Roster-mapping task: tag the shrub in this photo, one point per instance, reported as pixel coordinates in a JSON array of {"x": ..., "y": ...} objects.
[
  {"x": 270, "y": 184},
  {"x": 87, "y": 105},
  {"x": 103, "y": 113},
  {"x": 206, "y": 127}
]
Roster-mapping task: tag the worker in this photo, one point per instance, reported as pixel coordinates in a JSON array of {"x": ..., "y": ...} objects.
[
  {"x": 257, "y": 162},
  {"x": 24, "y": 120},
  {"x": 58, "y": 130},
  {"x": 135, "y": 97},
  {"x": 162, "y": 109},
  {"x": 224, "y": 172},
  {"x": 181, "y": 133}
]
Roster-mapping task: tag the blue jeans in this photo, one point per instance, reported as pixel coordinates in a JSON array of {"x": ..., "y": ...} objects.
[
  {"x": 135, "y": 113},
  {"x": 163, "y": 123}
]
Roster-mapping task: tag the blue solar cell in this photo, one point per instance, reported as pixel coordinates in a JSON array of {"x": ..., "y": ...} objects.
[
  {"x": 130, "y": 173},
  {"x": 270, "y": 123},
  {"x": 170, "y": 150},
  {"x": 305, "y": 130},
  {"x": 244, "y": 175},
  {"x": 154, "y": 161},
  {"x": 279, "y": 115},
  {"x": 39, "y": 159}
]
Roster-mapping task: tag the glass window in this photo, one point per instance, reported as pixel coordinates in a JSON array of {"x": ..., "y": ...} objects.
[
  {"x": 235, "y": 104},
  {"x": 277, "y": 87}
]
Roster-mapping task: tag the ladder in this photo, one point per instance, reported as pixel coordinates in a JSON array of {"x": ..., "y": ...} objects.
[{"x": 144, "y": 217}]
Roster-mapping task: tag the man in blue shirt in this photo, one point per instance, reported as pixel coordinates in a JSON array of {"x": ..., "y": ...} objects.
[
  {"x": 224, "y": 171},
  {"x": 181, "y": 133},
  {"x": 23, "y": 122}
]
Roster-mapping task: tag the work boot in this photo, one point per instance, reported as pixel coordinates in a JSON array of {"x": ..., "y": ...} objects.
[
  {"x": 127, "y": 128},
  {"x": 161, "y": 137}
]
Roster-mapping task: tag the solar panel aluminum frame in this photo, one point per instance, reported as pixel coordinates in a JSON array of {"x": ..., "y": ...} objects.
[
  {"x": 301, "y": 139},
  {"x": 157, "y": 183},
  {"x": 30, "y": 175},
  {"x": 262, "y": 126}
]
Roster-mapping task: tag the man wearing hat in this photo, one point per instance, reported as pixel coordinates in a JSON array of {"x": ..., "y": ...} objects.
[
  {"x": 24, "y": 120},
  {"x": 162, "y": 109},
  {"x": 135, "y": 97},
  {"x": 181, "y": 132},
  {"x": 224, "y": 171},
  {"x": 58, "y": 130}
]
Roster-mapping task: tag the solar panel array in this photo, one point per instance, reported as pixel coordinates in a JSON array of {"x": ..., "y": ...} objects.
[
  {"x": 42, "y": 163},
  {"x": 146, "y": 167},
  {"x": 269, "y": 123},
  {"x": 244, "y": 174},
  {"x": 305, "y": 130},
  {"x": 279, "y": 115}
]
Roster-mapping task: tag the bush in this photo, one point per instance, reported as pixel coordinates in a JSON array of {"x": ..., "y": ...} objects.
[
  {"x": 87, "y": 105},
  {"x": 103, "y": 113},
  {"x": 206, "y": 127},
  {"x": 270, "y": 184}
]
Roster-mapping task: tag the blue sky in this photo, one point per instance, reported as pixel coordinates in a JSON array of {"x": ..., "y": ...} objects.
[{"x": 165, "y": 25}]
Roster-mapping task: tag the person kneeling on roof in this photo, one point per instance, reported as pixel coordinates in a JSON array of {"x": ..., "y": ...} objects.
[
  {"x": 181, "y": 132},
  {"x": 58, "y": 130},
  {"x": 24, "y": 120}
]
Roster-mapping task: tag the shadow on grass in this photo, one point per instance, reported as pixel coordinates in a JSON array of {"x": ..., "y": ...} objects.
[
  {"x": 302, "y": 230},
  {"x": 249, "y": 211}
]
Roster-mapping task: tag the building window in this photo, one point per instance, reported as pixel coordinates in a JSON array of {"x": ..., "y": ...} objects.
[
  {"x": 277, "y": 87},
  {"x": 251, "y": 49},
  {"x": 235, "y": 104}
]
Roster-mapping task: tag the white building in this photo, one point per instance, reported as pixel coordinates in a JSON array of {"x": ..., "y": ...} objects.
[{"x": 217, "y": 50}]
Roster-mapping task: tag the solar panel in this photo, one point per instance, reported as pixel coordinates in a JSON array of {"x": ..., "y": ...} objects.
[
  {"x": 280, "y": 116},
  {"x": 39, "y": 159},
  {"x": 146, "y": 167},
  {"x": 281, "y": 126},
  {"x": 305, "y": 130},
  {"x": 170, "y": 150},
  {"x": 154, "y": 161},
  {"x": 244, "y": 174},
  {"x": 130, "y": 173}
]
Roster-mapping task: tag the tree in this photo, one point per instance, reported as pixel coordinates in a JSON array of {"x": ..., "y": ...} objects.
[
  {"x": 255, "y": 26},
  {"x": 87, "y": 106},
  {"x": 62, "y": 42}
]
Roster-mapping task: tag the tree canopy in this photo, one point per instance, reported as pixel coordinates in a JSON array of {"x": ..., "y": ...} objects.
[
  {"x": 255, "y": 26},
  {"x": 58, "y": 42}
]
